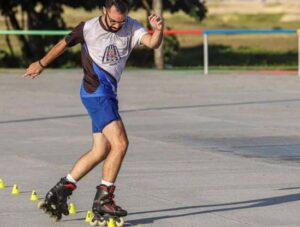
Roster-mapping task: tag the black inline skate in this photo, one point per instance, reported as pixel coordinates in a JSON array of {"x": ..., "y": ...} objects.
[
  {"x": 106, "y": 212},
  {"x": 55, "y": 203}
]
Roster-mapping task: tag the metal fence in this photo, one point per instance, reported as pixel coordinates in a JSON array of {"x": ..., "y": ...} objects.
[
  {"x": 204, "y": 32},
  {"x": 208, "y": 32}
]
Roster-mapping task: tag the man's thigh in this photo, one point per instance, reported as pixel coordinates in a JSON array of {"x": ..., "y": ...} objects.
[
  {"x": 100, "y": 142},
  {"x": 115, "y": 133}
]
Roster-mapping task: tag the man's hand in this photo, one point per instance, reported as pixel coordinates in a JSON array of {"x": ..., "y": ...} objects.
[
  {"x": 156, "y": 22},
  {"x": 154, "y": 39},
  {"x": 34, "y": 70}
]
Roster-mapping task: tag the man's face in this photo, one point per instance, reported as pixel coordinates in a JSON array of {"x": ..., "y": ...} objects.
[{"x": 114, "y": 19}]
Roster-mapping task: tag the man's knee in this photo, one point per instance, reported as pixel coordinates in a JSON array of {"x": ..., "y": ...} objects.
[
  {"x": 121, "y": 145},
  {"x": 99, "y": 153}
]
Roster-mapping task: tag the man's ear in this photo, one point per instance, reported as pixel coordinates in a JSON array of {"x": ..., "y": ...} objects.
[{"x": 104, "y": 10}]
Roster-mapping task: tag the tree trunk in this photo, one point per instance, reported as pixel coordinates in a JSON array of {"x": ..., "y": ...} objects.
[
  {"x": 7, "y": 39},
  {"x": 15, "y": 24},
  {"x": 36, "y": 43},
  {"x": 158, "y": 53}
]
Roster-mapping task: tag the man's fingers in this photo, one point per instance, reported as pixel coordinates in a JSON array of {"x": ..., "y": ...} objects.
[
  {"x": 151, "y": 17},
  {"x": 155, "y": 19},
  {"x": 32, "y": 75}
]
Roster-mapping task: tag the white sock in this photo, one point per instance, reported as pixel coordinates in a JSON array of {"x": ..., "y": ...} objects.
[
  {"x": 71, "y": 179},
  {"x": 108, "y": 184}
]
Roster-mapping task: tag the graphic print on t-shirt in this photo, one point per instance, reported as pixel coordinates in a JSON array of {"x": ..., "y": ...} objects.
[{"x": 111, "y": 55}]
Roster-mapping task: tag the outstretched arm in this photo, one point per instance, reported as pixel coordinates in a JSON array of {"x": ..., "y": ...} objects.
[
  {"x": 154, "y": 40},
  {"x": 36, "y": 68}
]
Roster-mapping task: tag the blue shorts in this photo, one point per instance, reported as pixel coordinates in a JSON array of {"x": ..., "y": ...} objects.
[{"x": 102, "y": 111}]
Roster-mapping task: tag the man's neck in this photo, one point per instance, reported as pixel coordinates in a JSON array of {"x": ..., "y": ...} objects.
[{"x": 104, "y": 22}]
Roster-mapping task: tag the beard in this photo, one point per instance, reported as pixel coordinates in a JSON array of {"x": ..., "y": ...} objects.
[{"x": 111, "y": 28}]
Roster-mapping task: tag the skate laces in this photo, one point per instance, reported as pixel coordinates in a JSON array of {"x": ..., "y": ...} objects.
[
  {"x": 112, "y": 201},
  {"x": 111, "y": 197}
]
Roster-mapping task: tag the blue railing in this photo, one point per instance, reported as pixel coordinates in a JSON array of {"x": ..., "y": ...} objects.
[{"x": 248, "y": 31}]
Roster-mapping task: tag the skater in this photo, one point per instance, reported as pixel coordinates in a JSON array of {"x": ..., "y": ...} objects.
[{"x": 106, "y": 43}]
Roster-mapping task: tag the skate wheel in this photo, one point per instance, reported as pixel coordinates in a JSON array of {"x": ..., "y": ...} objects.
[
  {"x": 41, "y": 205},
  {"x": 47, "y": 211},
  {"x": 101, "y": 222},
  {"x": 56, "y": 218},
  {"x": 120, "y": 222},
  {"x": 93, "y": 222}
]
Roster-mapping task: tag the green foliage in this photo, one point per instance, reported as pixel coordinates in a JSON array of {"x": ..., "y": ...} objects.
[
  {"x": 143, "y": 57},
  {"x": 195, "y": 8},
  {"x": 223, "y": 55},
  {"x": 44, "y": 14},
  {"x": 171, "y": 48},
  {"x": 259, "y": 20},
  {"x": 9, "y": 61}
]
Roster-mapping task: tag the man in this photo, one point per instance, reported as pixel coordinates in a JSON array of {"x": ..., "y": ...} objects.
[{"x": 106, "y": 43}]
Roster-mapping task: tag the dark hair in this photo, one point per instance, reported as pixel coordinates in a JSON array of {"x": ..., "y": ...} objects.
[{"x": 121, "y": 5}]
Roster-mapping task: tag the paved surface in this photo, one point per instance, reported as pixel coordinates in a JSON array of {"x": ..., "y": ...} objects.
[{"x": 211, "y": 151}]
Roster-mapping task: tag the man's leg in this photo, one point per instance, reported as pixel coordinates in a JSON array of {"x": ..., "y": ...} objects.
[
  {"x": 103, "y": 202},
  {"x": 57, "y": 196},
  {"x": 117, "y": 138},
  {"x": 92, "y": 158}
]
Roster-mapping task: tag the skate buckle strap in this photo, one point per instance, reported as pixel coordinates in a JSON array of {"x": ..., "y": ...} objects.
[
  {"x": 103, "y": 187},
  {"x": 111, "y": 197},
  {"x": 70, "y": 186},
  {"x": 111, "y": 189}
]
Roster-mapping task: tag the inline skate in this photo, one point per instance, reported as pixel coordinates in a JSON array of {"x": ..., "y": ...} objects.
[
  {"x": 55, "y": 203},
  {"x": 105, "y": 211}
]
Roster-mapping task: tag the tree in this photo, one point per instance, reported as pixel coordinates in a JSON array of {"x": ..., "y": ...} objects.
[
  {"x": 158, "y": 53},
  {"x": 195, "y": 8},
  {"x": 45, "y": 14},
  {"x": 40, "y": 15}
]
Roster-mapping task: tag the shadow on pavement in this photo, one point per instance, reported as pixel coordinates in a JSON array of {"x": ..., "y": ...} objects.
[{"x": 272, "y": 201}]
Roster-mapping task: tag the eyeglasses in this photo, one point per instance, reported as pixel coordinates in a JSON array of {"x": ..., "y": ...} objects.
[{"x": 112, "y": 21}]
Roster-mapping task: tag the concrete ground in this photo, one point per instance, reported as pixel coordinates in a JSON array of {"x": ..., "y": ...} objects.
[{"x": 211, "y": 151}]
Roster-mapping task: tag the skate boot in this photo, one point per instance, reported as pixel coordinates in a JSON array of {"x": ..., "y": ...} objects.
[
  {"x": 106, "y": 212},
  {"x": 55, "y": 203}
]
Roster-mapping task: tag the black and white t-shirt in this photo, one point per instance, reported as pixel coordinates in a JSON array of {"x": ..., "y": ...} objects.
[{"x": 108, "y": 50}]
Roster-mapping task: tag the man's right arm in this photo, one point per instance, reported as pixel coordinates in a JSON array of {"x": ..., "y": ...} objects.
[
  {"x": 73, "y": 38},
  {"x": 37, "y": 67}
]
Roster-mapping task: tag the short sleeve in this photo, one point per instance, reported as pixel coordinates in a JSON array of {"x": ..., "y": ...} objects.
[
  {"x": 138, "y": 32},
  {"x": 75, "y": 36}
]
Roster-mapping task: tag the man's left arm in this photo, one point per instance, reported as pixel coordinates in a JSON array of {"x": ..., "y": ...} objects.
[{"x": 154, "y": 40}]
